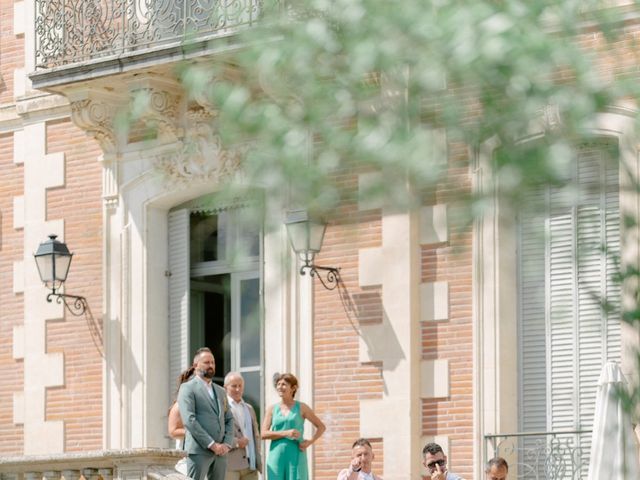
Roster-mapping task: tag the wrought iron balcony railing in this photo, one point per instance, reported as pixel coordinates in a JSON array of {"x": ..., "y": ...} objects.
[
  {"x": 561, "y": 455},
  {"x": 75, "y": 31}
]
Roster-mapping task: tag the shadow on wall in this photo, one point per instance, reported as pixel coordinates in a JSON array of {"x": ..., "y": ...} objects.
[
  {"x": 128, "y": 371},
  {"x": 94, "y": 331},
  {"x": 369, "y": 320}
]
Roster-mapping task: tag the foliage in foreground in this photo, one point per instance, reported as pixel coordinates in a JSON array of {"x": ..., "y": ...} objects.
[{"x": 330, "y": 85}]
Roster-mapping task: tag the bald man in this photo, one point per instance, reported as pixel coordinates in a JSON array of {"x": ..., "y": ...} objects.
[{"x": 497, "y": 469}]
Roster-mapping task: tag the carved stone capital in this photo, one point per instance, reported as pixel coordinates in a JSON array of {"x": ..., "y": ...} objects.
[
  {"x": 158, "y": 109},
  {"x": 96, "y": 117},
  {"x": 157, "y": 102}
]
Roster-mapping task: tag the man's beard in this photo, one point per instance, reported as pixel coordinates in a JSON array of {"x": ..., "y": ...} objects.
[{"x": 209, "y": 373}]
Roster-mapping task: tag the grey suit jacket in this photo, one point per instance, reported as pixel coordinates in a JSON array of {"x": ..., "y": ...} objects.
[
  {"x": 237, "y": 458},
  {"x": 205, "y": 421}
]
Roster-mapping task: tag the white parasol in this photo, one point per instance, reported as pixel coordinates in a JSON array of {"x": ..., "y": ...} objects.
[{"x": 614, "y": 450}]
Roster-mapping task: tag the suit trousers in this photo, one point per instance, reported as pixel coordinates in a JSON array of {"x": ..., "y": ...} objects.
[
  {"x": 244, "y": 474},
  {"x": 206, "y": 467}
]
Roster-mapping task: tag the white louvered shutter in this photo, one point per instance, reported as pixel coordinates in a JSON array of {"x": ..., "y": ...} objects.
[
  {"x": 179, "y": 285},
  {"x": 565, "y": 337}
]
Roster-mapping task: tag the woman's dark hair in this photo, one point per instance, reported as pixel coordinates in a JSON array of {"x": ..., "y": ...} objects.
[
  {"x": 290, "y": 378},
  {"x": 183, "y": 377}
]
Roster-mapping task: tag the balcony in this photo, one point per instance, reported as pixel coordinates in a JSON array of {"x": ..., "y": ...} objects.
[
  {"x": 137, "y": 464},
  {"x": 82, "y": 39},
  {"x": 561, "y": 455}
]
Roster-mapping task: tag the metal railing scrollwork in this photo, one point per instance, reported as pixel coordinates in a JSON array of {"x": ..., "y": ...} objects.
[
  {"x": 75, "y": 31},
  {"x": 561, "y": 455}
]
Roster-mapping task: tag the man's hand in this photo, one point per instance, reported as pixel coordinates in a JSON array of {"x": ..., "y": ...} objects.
[
  {"x": 220, "y": 449},
  {"x": 440, "y": 473},
  {"x": 243, "y": 442},
  {"x": 356, "y": 466}
]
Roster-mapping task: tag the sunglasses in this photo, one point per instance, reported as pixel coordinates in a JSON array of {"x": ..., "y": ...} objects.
[{"x": 432, "y": 465}]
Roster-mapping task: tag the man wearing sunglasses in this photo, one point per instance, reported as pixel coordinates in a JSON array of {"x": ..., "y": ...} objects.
[{"x": 435, "y": 460}]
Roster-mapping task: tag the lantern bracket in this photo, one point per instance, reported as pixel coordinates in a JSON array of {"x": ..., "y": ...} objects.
[
  {"x": 75, "y": 304},
  {"x": 332, "y": 275}
]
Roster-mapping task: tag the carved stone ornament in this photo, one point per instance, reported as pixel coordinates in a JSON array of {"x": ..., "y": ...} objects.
[
  {"x": 200, "y": 157},
  {"x": 161, "y": 111},
  {"x": 96, "y": 118}
]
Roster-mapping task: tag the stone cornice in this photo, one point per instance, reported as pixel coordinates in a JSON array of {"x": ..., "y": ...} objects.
[{"x": 32, "y": 108}]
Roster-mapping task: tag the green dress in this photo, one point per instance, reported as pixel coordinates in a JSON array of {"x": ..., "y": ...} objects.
[{"x": 285, "y": 460}]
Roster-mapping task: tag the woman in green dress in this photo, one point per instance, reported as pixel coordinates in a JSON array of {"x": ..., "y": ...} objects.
[{"x": 283, "y": 424}]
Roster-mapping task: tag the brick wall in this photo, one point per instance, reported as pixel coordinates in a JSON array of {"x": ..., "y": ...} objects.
[
  {"x": 11, "y": 240},
  {"x": 452, "y": 339},
  {"x": 79, "y": 402},
  {"x": 11, "y": 51},
  {"x": 11, "y": 304},
  {"x": 341, "y": 381}
]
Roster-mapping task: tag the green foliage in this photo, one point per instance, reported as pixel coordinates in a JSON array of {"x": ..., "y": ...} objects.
[{"x": 324, "y": 86}]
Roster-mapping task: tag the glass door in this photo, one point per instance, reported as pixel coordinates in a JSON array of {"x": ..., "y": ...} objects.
[{"x": 246, "y": 334}]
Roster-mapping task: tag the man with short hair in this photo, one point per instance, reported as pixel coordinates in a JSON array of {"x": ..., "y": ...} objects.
[
  {"x": 207, "y": 419},
  {"x": 435, "y": 460},
  {"x": 361, "y": 458},
  {"x": 243, "y": 461},
  {"x": 497, "y": 469}
]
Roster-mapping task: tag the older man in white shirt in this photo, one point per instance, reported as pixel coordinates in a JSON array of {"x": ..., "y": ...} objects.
[{"x": 243, "y": 461}]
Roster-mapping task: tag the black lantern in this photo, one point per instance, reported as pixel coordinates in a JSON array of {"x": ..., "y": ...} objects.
[
  {"x": 306, "y": 234},
  {"x": 53, "y": 260}
]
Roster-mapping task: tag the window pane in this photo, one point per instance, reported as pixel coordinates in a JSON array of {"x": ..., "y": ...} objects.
[
  {"x": 211, "y": 319},
  {"x": 249, "y": 238},
  {"x": 249, "y": 323},
  {"x": 208, "y": 237},
  {"x": 252, "y": 390}
]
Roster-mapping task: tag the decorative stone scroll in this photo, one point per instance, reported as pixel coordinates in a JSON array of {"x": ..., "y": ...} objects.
[
  {"x": 160, "y": 111},
  {"x": 200, "y": 154},
  {"x": 97, "y": 119}
]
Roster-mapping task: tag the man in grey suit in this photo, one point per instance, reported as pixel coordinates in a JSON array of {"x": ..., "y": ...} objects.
[
  {"x": 243, "y": 461},
  {"x": 207, "y": 419}
]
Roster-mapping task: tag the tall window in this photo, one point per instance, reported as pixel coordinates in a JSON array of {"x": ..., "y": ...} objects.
[
  {"x": 214, "y": 292},
  {"x": 564, "y": 273}
]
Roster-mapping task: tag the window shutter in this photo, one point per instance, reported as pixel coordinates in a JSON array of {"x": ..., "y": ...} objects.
[
  {"x": 532, "y": 327},
  {"x": 565, "y": 336},
  {"x": 179, "y": 285}
]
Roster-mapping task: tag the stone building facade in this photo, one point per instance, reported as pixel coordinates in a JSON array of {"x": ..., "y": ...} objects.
[{"x": 421, "y": 343}]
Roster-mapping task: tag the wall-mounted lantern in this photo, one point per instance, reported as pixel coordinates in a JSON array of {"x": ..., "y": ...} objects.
[
  {"x": 53, "y": 260},
  {"x": 306, "y": 234}
]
